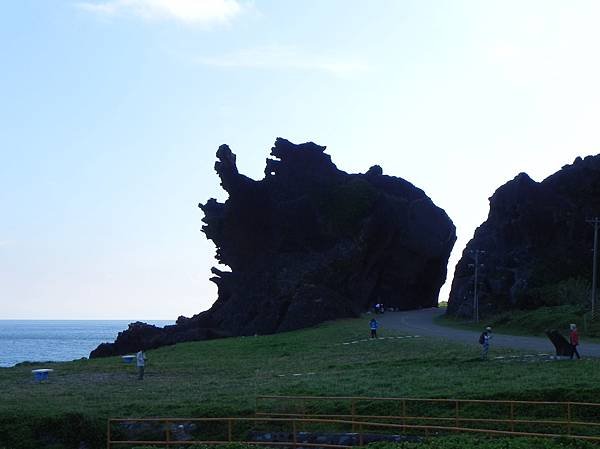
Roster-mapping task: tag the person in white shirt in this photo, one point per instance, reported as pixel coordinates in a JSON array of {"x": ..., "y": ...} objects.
[{"x": 140, "y": 358}]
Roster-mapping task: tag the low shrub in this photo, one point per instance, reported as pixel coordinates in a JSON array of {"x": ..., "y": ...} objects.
[
  {"x": 470, "y": 442},
  {"x": 205, "y": 446}
]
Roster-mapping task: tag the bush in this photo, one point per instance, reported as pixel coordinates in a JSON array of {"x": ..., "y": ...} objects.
[
  {"x": 61, "y": 431},
  {"x": 574, "y": 291},
  {"x": 205, "y": 446},
  {"x": 471, "y": 442},
  {"x": 539, "y": 320},
  {"x": 346, "y": 205},
  {"x": 591, "y": 327}
]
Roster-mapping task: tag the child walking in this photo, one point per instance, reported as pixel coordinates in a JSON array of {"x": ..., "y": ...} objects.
[
  {"x": 373, "y": 325},
  {"x": 484, "y": 340}
]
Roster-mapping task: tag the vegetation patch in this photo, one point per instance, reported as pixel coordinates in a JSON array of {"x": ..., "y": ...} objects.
[
  {"x": 466, "y": 442},
  {"x": 532, "y": 322}
]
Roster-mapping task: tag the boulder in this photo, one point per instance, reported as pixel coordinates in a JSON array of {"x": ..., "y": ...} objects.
[{"x": 310, "y": 243}]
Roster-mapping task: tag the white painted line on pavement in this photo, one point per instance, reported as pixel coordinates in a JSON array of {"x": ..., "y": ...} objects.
[{"x": 377, "y": 339}]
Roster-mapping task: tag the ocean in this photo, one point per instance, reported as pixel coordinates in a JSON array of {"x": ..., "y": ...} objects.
[{"x": 56, "y": 341}]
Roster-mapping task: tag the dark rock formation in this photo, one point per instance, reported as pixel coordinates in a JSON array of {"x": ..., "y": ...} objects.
[
  {"x": 562, "y": 346},
  {"x": 145, "y": 336},
  {"x": 310, "y": 243},
  {"x": 536, "y": 241}
]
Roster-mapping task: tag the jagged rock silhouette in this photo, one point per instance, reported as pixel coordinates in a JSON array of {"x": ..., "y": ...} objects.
[
  {"x": 536, "y": 241},
  {"x": 310, "y": 243}
]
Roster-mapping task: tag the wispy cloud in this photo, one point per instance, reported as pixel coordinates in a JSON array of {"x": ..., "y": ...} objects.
[
  {"x": 285, "y": 58},
  {"x": 186, "y": 11}
]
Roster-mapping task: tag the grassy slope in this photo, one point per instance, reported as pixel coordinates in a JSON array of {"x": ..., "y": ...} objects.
[
  {"x": 222, "y": 377},
  {"x": 531, "y": 322}
]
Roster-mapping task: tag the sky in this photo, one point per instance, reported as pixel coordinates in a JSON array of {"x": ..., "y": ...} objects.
[{"x": 111, "y": 113}]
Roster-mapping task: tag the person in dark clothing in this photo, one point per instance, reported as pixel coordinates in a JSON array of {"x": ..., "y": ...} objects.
[
  {"x": 484, "y": 340},
  {"x": 574, "y": 340},
  {"x": 373, "y": 325}
]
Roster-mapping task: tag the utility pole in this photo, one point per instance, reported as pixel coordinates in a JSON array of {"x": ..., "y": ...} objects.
[
  {"x": 476, "y": 253},
  {"x": 596, "y": 222}
]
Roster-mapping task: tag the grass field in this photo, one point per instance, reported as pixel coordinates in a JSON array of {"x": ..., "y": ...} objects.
[{"x": 222, "y": 378}]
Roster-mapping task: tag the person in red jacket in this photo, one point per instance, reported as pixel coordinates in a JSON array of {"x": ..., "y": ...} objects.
[{"x": 574, "y": 340}]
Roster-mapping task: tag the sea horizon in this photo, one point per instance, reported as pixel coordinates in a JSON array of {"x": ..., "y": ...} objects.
[
  {"x": 51, "y": 340},
  {"x": 86, "y": 319}
]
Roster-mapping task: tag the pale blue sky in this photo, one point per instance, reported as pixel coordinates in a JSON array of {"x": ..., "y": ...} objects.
[{"x": 111, "y": 112}]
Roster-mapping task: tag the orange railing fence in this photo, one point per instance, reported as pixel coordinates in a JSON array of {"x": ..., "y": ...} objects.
[
  {"x": 291, "y": 420},
  {"x": 564, "y": 418},
  {"x": 288, "y": 432}
]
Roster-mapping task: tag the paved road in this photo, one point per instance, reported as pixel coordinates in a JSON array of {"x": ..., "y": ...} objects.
[{"x": 421, "y": 322}]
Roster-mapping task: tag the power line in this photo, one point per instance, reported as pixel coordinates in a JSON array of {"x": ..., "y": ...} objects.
[
  {"x": 476, "y": 252},
  {"x": 596, "y": 222}
]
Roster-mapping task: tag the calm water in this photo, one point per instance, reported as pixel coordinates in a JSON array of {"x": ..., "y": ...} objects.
[{"x": 42, "y": 341}]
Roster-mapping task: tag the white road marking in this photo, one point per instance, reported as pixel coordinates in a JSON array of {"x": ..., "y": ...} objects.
[
  {"x": 296, "y": 374},
  {"x": 378, "y": 339},
  {"x": 523, "y": 356}
]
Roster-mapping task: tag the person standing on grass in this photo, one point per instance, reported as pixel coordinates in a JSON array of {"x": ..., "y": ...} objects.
[
  {"x": 140, "y": 359},
  {"x": 574, "y": 340},
  {"x": 373, "y": 325},
  {"x": 484, "y": 340}
]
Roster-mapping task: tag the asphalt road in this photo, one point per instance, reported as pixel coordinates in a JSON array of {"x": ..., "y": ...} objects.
[{"x": 421, "y": 322}]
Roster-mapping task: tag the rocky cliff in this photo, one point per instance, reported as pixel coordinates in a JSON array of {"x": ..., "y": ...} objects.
[
  {"x": 536, "y": 242},
  {"x": 310, "y": 243}
]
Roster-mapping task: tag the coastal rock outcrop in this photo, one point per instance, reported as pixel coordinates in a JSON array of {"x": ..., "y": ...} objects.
[
  {"x": 536, "y": 243},
  {"x": 310, "y": 243}
]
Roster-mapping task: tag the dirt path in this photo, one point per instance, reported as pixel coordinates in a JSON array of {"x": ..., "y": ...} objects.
[{"x": 421, "y": 322}]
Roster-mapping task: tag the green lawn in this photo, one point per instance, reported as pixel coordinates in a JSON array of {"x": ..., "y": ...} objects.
[{"x": 222, "y": 377}]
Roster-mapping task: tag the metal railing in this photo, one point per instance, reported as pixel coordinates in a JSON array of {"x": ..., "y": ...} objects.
[
  {"x": 557, "y": 419},
  {"x": 293, "y": 426},
  {"x": 361, "y": 430},
  {"x": 569, "y": 419}
]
